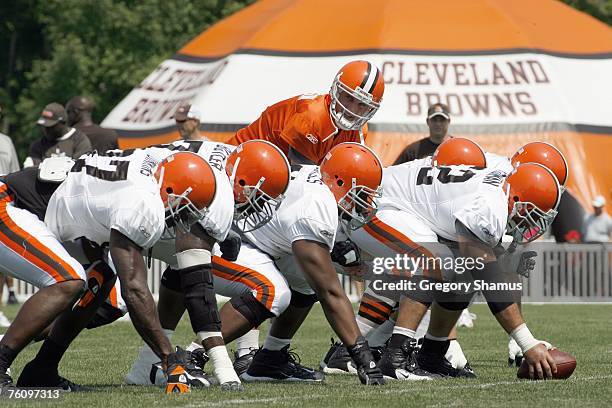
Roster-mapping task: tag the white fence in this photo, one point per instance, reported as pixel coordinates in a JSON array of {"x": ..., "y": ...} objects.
[{"x": 564, "y": 273}]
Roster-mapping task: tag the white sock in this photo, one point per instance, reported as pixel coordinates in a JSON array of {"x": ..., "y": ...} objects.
[
  {"x": 379, "y": 336},
  {"x": 365, "y": 326},
  {"x": 275, "y": 344},
  {"x": 146, "y": 355},
  {"x": 422, "y": 329},
  {"x": 404, "y": 331},
  {"x": 194, "y": 346},
  {"x": 248, "y": 342},
  {"x": 222, "y": 365}
]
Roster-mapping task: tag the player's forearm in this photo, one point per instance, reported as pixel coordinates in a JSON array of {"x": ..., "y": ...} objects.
[
  {"x": 143, "y": 314},
  {"x": 132, "y": 274},
  {"x": 339, "y": 314},
  {"x": 510, "y": 318}
]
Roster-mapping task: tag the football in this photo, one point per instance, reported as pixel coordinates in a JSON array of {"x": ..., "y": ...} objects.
[{"x": 566, "y": 364}]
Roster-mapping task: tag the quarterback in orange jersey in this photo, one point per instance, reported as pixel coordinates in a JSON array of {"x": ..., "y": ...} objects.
[{"x": 306, "y": 127}]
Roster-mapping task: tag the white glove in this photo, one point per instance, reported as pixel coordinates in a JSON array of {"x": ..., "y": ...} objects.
[{"x": 455, "y": 355}]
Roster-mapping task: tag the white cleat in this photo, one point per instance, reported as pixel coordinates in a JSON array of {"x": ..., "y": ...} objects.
[
  {"x": 4, "y": 321},
  {"x": 466, "y": 319}
]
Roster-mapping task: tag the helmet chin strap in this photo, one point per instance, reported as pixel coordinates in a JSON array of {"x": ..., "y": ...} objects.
[
  {"x": 234, "y": 171},
  {"x": 160, "y": 181}
]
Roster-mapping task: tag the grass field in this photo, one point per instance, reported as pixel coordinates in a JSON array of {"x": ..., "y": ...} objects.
[{"x": 100, "y": 358}]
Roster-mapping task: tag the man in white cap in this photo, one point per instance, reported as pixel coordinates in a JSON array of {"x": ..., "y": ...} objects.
[
  {"x": 187, "y": 119},
  {"x": 598, "y": 226}
]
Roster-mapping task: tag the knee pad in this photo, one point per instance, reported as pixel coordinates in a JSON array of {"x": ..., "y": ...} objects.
[
  {"x": 301, "y": 300},
  {"x": 251, "y": 309},
  {"x": 497, "y": 307},
  {"x": 454, "y": 305},
  {"x": 98, "y": 274},
  {"x": 171, "y": 279},
  {"x": 200, "y": 300}
]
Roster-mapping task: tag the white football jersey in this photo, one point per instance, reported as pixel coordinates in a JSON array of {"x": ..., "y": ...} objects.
[
  {"x": 308, "y": 212},
  {"x": 497, "y": 162},
  {"x": 441, "y": 196},
  {"x": 109, "y": 192}
]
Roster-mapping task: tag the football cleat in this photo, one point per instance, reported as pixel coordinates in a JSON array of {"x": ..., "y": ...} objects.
[
  {"x": 232, "y": 386},
  {"x": 35, "y": 375},
  {"x": 466, "y": 319},
  {"x": 5, "y": 381},
  {"x": 439, "y": 367},
  {"x": 4, "y": 321},
  {"x": 12, "y": 299},
  {"x": 176, "y": 373},
  {"x": 279, "y": 365},
  {"x": 398, "y": 363},
  {"x": 337, "y": 360},
  {"x": 242, "y": 363}
]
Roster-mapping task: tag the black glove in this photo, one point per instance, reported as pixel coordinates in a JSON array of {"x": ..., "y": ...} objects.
[
  {"x": 517, "y": 260},
  {"x": 346, "y": 253},
  {"x": 231, "y": 246},
  {"x": 368, "y": 372}
]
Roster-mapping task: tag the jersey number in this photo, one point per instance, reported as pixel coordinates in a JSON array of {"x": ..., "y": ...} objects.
[
  {"x": 444, "y": 176},
  {"x": 119, "y": 174}
]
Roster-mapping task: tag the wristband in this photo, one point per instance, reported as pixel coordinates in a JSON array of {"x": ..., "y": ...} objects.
[{"x": 524, "y": 338}]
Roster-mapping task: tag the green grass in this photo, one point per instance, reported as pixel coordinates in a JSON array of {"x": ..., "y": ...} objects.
[{"x": 100, "y": 358}]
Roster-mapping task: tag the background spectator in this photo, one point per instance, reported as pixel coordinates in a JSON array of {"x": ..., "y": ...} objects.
[
  {"x": 8, "y": 157},
  {"x": 188, "y": 122},
  {"x": 598, "y": 226},
  {"x": 58, "y": 138},
  {"x": 79, "y": 111},
  {"x": 438, "y": 120}
]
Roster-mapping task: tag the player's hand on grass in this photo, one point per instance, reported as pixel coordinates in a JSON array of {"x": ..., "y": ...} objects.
[
  {"x": 541, "y": 363},
  {"x": 368, "y": 372}
]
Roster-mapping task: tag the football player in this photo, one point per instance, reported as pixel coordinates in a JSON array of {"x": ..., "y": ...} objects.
[
  {"x": 126, "y": 202},
  {"x": 285, "y": 266},
  {"x": 375, "y": 308},
  {"x": 307, "y": 126},
  {"x": 259, "y": 177}
]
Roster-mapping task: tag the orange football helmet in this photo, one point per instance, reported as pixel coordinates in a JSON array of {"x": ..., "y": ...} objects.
[
  {"x": 356, "y": 94},
  {"x": 187, "y": 187},
  {"x": 259, "y": 173},
  {"x": 353, "y": 173},
  {"x": 459, "y": 151},
  {"x": 533, "y": 197},
  {"x": 546, "y": 155}
]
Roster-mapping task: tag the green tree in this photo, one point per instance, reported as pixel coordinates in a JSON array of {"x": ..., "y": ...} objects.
[{"x": 100, "y": 48}]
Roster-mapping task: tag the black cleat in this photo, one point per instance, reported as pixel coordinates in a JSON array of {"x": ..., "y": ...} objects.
[
  {"x": 337, "y": 360},
  {"x": 242, "y": 364},
  {"x": 439, "y": 367},
  {"x": 194, "y": 368},
  {"x": 12, "y": 299},
  {"x": 398, "y": 363},
  {"x": 279, "y": 365},
  {"x": 5, "y": 382},
  {"x": 34, "y": 375}
]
